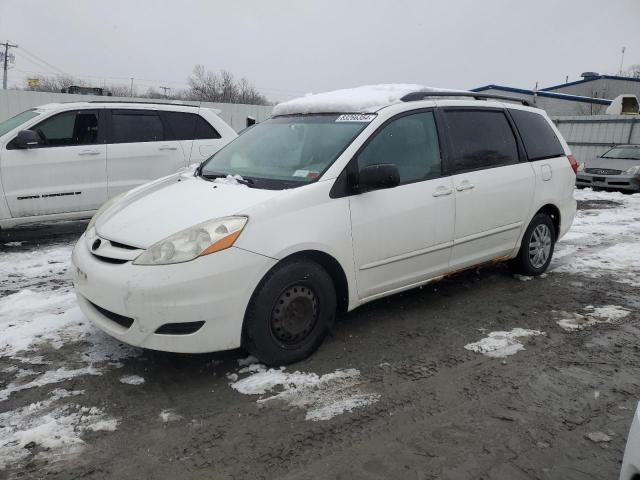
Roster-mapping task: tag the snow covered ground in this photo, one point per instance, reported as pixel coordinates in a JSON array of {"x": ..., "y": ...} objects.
[
  {"x": 45, "y": 340},
  {"x": 38, "y": 320}
]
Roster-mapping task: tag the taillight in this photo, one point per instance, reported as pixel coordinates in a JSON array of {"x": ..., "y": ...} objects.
[{"x": 573, "y": 162}]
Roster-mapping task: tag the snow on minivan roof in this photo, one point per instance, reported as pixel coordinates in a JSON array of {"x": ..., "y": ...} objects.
[{"x": 368, "y": 98}]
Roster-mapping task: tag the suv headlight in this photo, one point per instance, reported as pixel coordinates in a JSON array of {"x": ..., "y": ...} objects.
[
  {"x": 633, "y": 170},
  {"x": 102, "y": 209},
  {"x": 202, "y": 239},
  {"x": 581, "y": 167}
]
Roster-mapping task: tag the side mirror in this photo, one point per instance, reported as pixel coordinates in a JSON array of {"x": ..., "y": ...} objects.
[
  {"x": 26, "y": 139},
  {"x": 377, "y": 177}
]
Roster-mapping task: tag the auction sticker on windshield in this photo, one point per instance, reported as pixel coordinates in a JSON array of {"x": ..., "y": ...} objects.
[{"x": 356, "y": 117}]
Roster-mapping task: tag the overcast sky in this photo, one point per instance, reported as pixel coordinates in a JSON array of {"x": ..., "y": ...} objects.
[{"x": 288, "y": 47}]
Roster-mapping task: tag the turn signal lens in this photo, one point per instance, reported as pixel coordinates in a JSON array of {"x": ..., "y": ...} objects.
[{"x": 573, "y": 162}]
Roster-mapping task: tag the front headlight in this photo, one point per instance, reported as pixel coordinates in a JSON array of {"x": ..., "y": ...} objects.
[
  {"x": 581, "y": 167},
  {"x": 102, "y": 209},
  {"x": 633, "y": 170},
  {"x": 197, "y": 241}
]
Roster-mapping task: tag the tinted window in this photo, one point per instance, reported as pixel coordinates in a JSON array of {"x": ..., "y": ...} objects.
[
  {"x": 411, "y": 143},
  {"x": 68, "y": 129},
  {"x": 539, "y": 139},
  {"x": 189, "y": 126},
  {"x": 480, "y": 139},
  {"x": 204, "y": 130},
  {"x": 132, "y": 127}
]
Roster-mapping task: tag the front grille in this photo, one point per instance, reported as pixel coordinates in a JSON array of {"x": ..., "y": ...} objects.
[
  {"x": 602, "y": 171},
  {"x": 121, "y": 320},
  {"x": 179, "y": 328}
]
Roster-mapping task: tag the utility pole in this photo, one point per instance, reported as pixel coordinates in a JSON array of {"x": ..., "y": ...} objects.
[
  {"x": 164, "y": 89},
  {"x": 131, "y": 92},
  {"x": 7, "y": 46}
]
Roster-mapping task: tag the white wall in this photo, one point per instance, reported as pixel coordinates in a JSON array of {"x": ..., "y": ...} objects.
[
  {"x": 13, "y": 102},
  {"x": 590, "y": 136}
]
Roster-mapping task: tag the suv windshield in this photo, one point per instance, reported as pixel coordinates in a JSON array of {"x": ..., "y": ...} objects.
[
  {"x": 285, "y": 152},
  {"x": 19, "y": 119},
  {"x": 632, "y": 152}
]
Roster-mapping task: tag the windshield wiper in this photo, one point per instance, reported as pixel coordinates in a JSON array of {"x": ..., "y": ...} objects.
[{"x": 244, "y": 181}]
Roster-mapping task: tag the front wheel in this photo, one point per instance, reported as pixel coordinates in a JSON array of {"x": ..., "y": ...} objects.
[
  {"x": 536, "y": 248},
  {"x": 289, "y": 313}
]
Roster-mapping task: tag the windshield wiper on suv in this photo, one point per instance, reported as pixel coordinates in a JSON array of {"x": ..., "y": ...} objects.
[{"x": 249, "y": 182}]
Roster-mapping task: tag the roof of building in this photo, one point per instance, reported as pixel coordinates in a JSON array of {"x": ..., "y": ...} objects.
[
  {"x": 544, "y": 93},
  {"x": 592, "y": 79}
]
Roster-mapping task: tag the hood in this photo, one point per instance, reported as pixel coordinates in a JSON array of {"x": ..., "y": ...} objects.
[
  {"x": 151, "y": 213},
  {"x": 611, "y": 163}
]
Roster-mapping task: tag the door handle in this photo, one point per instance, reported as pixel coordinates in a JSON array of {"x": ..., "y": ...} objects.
[
  {"x": 89, "y": 152},
  {"x": 167, "y": 147},
  {"x": 442, "y": 191},
  {"x": 465, "y": 186}
]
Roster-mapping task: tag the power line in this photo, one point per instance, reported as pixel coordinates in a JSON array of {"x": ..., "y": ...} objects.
[{"x": 31, "y": 54}]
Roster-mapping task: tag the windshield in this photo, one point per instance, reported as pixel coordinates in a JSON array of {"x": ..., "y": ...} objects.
[
  {"x": 19, "y": 119},
  {"x": 631, "y": 152},
  {"x": 285, "y": 152}
]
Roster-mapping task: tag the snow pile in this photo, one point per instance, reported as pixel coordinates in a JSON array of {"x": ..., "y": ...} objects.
[
  {"x": 503, "y": 344},
  {"x": 594, "y": 315},
  {"x": 368, "y": 98},
  {"x": 169, "y": 415},
  {"x": 323, "y": 397},
  {"x": 230, "y": 180},
  {"x": 24, "y": 269},
  {"x": 132, "y": 380},
  {"x": 603, "y": 242},
  {"x": 47, "y": 429},
  {"x": 47, "y": 378}
]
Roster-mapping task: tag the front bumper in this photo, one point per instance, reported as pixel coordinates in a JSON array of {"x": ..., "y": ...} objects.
[
  {"x": 610, "y": 182},
  {"x": 214, "y": 289}
]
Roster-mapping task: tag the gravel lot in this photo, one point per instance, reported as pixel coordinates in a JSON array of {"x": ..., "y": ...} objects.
[{"x": 393, "y": 393}]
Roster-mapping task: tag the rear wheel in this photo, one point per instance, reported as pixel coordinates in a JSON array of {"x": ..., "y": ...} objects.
[
  {"x": 289, "y": 313},
  {"x": 536, "y": 248}
]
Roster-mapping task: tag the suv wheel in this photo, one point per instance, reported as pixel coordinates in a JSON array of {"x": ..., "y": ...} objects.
[
  {"x": 536, "y": 248},
  {"x": 289, "y": 313}
]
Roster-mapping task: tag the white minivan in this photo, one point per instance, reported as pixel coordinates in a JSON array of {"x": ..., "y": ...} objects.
[
  {"x": 64, "y": 160},
  {"x": 338, "y": 199}
]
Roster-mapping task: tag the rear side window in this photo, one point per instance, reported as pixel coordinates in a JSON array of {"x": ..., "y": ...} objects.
[
  {"x": 480, "y": 139},
  {"x": 189, "y": 126},
  {"x": 539, "y": 139},
  {"x": 409, "y": 142},
  {"x": 204, "y": 131},
  {"x": 135, "y": 127}
]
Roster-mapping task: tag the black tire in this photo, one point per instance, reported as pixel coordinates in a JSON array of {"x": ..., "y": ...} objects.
[
  {"x": 289, "y": 313},
  {"x": 524, "y": 263}
]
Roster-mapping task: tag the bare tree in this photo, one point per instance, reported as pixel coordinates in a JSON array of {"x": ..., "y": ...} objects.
[
  {"x": 632, "y": 71},
  {"x": 208, "y": 86}
]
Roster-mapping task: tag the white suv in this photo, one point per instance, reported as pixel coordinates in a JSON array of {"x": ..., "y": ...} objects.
[
  {"x": 64, "y": 160},
  {"x": 339, "y": 199}
]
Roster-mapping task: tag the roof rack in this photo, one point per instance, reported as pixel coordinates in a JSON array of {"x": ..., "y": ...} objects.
[
  {"x": 415, "y": 96},
  {"x": 137, "y": 101}
]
